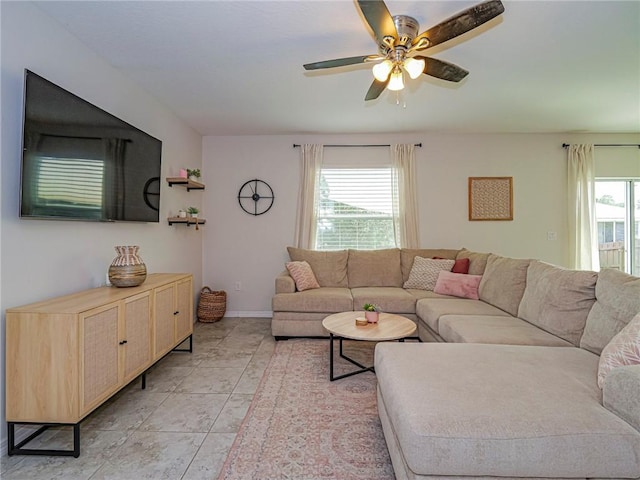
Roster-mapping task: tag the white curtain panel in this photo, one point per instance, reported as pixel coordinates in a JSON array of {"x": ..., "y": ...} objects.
[
  {"x": 583, "y": 231},
  {"x": 306, "y": 221},
  {"x": 405, "y": 201}
]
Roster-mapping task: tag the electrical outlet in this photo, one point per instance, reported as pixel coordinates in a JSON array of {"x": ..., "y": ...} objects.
[
  {"x": 238, "y": 286},
  {"x": 552, "y": 236}
]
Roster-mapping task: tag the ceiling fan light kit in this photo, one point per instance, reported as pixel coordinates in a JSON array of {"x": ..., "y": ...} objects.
[
  {"x": 396, "y": 82},
  {"x": 399, "y": 45}
]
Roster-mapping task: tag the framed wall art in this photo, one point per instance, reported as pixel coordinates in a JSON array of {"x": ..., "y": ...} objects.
[{"x": 490, "y": 198}]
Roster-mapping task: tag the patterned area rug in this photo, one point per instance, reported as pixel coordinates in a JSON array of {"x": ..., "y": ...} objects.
[{"x": 302, "y": 426}]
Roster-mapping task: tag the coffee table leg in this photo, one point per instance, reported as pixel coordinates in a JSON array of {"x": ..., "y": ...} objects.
[
  {"x": 331, "y": 357},
  {"x": 333, "y": 377}
]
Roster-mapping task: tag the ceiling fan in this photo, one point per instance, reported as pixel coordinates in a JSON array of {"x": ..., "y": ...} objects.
[{"x": 399, "y": 45}]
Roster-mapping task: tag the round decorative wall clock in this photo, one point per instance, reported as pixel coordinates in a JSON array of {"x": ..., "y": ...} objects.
[{"x": 255, "y": 197}]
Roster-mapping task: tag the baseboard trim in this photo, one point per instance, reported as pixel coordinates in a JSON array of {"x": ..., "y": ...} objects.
[{"x": 249, "y": 314}]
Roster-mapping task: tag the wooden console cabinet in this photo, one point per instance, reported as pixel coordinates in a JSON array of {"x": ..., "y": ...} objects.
[{"x": 66, "y": 356}]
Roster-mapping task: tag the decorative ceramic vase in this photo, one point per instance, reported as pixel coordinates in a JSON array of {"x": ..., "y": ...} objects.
[
  {"x": 372, "y": 317},
  {"x": 127, "y": 269}
]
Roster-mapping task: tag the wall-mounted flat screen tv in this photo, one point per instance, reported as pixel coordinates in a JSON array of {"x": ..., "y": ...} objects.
[{"x": 82, "y": 163}]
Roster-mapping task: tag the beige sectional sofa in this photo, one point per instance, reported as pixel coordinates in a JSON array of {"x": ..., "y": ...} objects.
[{"x": 505, "y": 386}]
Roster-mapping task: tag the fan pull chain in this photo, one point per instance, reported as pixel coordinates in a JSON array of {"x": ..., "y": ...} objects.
[{"x": 404, "y": 103}]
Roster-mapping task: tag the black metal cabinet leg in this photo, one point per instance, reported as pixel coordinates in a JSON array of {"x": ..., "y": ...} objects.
[{"x": 14, "y": 449}]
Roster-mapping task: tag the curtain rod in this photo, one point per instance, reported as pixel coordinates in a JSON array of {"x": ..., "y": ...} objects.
[
  {"x": 295, "y": 145},
  {"x": 566, "y": 145}
]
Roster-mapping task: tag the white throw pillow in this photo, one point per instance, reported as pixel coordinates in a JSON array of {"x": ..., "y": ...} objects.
[
  {"x": 424, "y": 272},
  {"x": 623, "y": 349}
]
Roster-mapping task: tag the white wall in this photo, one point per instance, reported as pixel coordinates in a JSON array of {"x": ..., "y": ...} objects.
[
  {"x": 252, "y": 250},
  {"x": 42, "y": 259}
]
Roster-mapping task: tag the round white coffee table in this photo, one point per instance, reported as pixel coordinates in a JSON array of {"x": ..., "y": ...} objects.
[{"x": 343, "y": 325}]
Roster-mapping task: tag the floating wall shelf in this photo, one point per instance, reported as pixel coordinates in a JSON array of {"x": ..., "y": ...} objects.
[
  {"x": 185, "y": 182},
  {"x": 188, "y": 221}
]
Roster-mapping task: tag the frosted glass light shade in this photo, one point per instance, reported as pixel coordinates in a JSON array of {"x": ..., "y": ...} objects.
[
  {"x": 381, "y": 70},
  {"x": 396, "y": 82},
  {"x": 414, "y": 67}
]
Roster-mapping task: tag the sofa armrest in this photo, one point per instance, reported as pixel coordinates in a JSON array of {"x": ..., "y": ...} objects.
[
  {"x": 284, "y": 283},
  {"x": 621, "y": 393}
]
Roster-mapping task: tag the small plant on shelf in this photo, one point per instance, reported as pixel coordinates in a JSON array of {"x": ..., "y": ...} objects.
[
  {"x": 193, "y": 211},
  {"x": 193, "y": 174}
]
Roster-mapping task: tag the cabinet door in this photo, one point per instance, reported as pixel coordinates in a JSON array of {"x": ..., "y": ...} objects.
[
  {"x": 165, "y": 322},
  {"x": 184, "y": 302},
  {"x": 100, "y": 350},
  {"x": 137, "y": 335}
]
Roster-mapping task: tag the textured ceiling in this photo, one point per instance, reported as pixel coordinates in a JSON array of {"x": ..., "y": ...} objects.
[{"x": 234, "y": 68}]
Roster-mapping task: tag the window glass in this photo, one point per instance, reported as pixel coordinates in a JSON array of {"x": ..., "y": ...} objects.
[
  {"x": 355, "y": 209},
  {"x": 613, "y": 198}
]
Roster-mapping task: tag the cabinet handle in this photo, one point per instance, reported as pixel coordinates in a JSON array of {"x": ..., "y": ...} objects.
[
  {"x": 123, "y": 342},
  {"x": 176, "y": 312}
]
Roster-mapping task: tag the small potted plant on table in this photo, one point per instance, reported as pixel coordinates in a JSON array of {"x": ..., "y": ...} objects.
[{"x": 371, "y": 312}]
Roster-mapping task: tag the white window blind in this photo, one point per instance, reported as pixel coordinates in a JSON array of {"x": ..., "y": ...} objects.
[{"x": 355, "y": 209}]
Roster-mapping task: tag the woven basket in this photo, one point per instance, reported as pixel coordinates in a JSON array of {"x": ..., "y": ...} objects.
[{"x": 212, "y": 305}]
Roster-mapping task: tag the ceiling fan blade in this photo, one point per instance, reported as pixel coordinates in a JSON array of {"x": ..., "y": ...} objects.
[
  {"x": 379, "y": 19},
  {"x": 443, "y": 70},
  {"x": 376, "y": 89},
  {"x": 338, "y": 62},
  {"x": 461, "y": 23}
]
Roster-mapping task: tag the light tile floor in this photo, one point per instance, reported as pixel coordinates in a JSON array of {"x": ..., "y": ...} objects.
[{"x": 180, "y": 427}]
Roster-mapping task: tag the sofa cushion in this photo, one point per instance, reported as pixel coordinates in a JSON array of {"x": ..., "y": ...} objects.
[
  {"x": 388, "y": 299},
  {"x": 330, "y": 268},
  {"x": 374, "y": 268},
  {"x": 502, "y": 411},
  {"x": 617, "y": 302},
  {"x": 458, "y": 285},
  {"x": 431, "y": 309},
  {"x": 503, "y": 282},
  {"x": 558, "y": 300},
  {"x": 327, "y": 299},
  {"x": 302, "y": 275},
  {"x": 623, "y": 349},
  {"x": 621, "y": 393},
  {"x": 496, "y": 330},
  {"x": 407, "y": 255},
  {"x": 418, "y": 294},
  {"x": 477, "y": 261},
  {"x": 425, "y": 271}
]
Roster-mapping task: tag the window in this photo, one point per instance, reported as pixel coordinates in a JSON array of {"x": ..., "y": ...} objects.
[
  {"x": 355, "y": 209},
  {"x": 618, "y": 218}
]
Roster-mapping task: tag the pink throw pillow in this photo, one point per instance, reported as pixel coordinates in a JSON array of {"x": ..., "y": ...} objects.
[
  {"x": 458, "y": 285},
  {"x": 623, "y": 349},
  {"x": 302, "y": 274}
]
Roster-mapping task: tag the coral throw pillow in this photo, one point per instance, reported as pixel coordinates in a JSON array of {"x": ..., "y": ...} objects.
[
  {"x": 424, "y": 272},
  {"x": 623, "y": 349},
  {"x": 458, "y": 285},
  {"x": 303, "y": 275}
]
